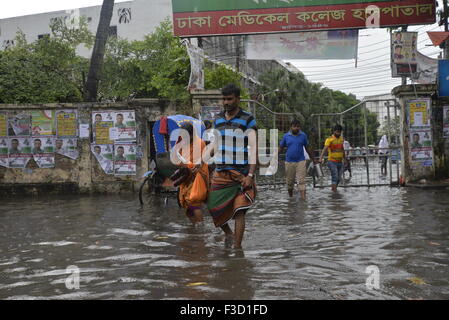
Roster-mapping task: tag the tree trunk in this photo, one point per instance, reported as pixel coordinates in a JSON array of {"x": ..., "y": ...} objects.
[{"x": 91, "y": 86}]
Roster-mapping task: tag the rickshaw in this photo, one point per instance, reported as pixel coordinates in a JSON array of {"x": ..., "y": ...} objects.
[{"x": 161, "y": 168}]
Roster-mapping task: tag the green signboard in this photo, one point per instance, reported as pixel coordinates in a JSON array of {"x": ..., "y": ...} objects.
[{"x": 218, "y": 5}]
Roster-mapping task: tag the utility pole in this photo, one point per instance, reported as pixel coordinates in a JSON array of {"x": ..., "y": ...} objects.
[
  {"x": 404, "y": 78},
  {"x": 445, "y": 14}
]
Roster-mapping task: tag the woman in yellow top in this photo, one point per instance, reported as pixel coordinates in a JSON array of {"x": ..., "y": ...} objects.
[
  {"x": 193, "y": 190},
  {"x": 334, "y": 146}
]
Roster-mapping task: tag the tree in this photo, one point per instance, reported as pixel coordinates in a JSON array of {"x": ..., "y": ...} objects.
[
  {"x": 156, "y": 67},
  {"x": 91, "y": 87},
  {"x": 47, "y": 70},
  {"x": 296, "y": 95},
  {"x": 216, "y": 76}
]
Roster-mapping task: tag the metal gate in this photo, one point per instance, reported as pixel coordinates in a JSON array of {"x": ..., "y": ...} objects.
[{"x": 363, "y": 126}]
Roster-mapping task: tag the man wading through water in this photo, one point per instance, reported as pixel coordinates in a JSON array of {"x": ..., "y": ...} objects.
[
  {"x": 336, "y": 155},
  {"x": 232, "y": 190},
  {"x": 295, "y": 141}
]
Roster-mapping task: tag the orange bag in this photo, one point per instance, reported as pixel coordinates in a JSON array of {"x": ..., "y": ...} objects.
[{"x": 198, "y": 193}]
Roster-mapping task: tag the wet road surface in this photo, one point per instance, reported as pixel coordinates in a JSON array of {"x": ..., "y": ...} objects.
[{"x": 291, "y": 250}]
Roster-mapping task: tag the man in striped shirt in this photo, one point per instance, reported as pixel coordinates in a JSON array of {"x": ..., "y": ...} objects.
[{"x": 233, "y": 190}]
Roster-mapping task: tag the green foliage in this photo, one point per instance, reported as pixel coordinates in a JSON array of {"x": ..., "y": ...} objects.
[
  {"x": 285, "y": 92},
  {"x": 41, "y": 72},
  {"x": 216, "y": 76},
  {"x": 156, "y": 67},
  {"x": 73, "y": 32}
]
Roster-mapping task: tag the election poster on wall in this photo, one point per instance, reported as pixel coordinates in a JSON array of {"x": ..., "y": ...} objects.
[
  {"x": 419, "y": 113},
  {"x": 42, "y": 122},
  {"x": 125, "y": 122},
  {"x": 3, "y": 125},
  {"x": 421, "y": 148},
  {"x": 102, "y": 122},
  {"x": 210, "y": 112},
  {"x": 19, "y": 125},
  {"x": 125, "y": 159},
  {"x": 67, "y": 147},
  {"x": 446, "y": 122},
  {"x": 4, "y": 152},
  {"x": 44, "y": 151},
  {"x": 66, "y": 123},
  {"x": 338, "y": 44},
  {"x": 105, "y": 156},
  {"x": 19, "y": 152}
]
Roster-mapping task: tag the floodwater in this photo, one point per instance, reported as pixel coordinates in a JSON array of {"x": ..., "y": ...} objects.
[{"x": 320, "y": 249}]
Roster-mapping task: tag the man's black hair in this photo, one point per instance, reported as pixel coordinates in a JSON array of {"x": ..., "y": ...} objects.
[
  {"x": 231, "y": 89},
  {"x": 295, "y": 122},
  {"x": 207, "y": 123},
  {"x": 338, "y": 127},
  {"x": 188, "y": 126},
  {"x": 121, "y": 148}
]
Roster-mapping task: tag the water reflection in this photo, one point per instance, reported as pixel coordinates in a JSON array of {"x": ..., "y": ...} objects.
[{"x": 317, "y": 249}]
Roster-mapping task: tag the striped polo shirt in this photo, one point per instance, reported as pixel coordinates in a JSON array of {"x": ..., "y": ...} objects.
[{"x": 233, "y": 147}]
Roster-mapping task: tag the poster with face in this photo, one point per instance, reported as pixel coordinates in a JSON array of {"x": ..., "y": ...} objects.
[
  {"x": 404, "y": 53},
  {"x": 102, "y": 121},
  {"x": 4, "y": 152},
  {"x": 66, "y": 123},
  {"x": 125, "y": 159},
  {"x": 446, "y": 122},
  {"x": 19, "y": 125},
  {"x": 42, "y": 123},
  {"x": 67, "y": 147},
  {"x": 419, "y": 113},
  {"x": 421, "y": 147},
  {"x": 104, "y": 155},
  {"x": 44, "y": 151},
  {"x": 125, "y": 122},
  {"x": 19, "y": 152}
]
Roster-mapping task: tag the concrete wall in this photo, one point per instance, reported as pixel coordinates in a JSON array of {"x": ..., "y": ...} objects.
[
  {"x": 85, "y": 175},
  {"x": 440, "y": 168}
]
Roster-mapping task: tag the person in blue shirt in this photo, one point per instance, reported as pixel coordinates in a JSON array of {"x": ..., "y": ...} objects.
[{"x": 297, "y": 144}]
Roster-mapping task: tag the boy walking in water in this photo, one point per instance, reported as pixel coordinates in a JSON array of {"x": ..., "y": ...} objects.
[{"x": 336, "y": 155}]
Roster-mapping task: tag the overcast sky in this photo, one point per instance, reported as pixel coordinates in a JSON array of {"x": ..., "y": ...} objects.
[{"x": 372, "y": 76}]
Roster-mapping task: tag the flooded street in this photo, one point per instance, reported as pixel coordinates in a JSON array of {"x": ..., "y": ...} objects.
[{"x": 292, "y": 250}]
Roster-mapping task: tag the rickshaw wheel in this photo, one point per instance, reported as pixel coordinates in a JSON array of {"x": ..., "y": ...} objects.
[{"x": 141, "y": 189}]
